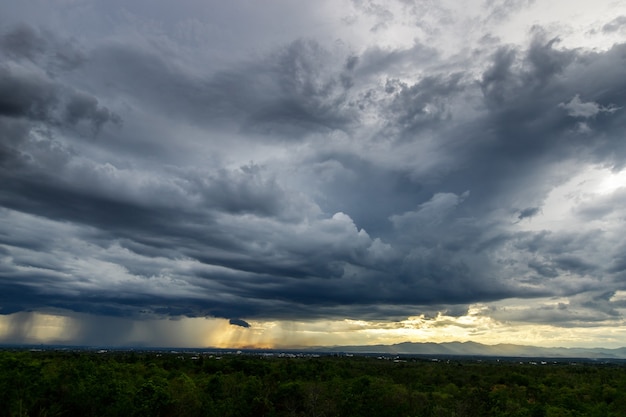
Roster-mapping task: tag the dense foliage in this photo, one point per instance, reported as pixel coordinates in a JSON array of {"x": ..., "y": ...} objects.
[{"x": 54, "y": 383}]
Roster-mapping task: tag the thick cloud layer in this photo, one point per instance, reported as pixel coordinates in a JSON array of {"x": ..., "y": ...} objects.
[{"x": 148, "y": 173}]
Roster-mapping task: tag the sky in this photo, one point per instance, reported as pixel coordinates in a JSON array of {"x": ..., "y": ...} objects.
[{"x": 290, "y": 173}]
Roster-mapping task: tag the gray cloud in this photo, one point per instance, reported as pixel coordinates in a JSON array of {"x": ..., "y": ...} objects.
[
  {"x": 49, "y": 52},
  {"x": 286, "y": 94},
  {"x": 421, "y": 105},
  {"x": 502, "y": 9},
  {"x": 35, "y": 94},
  {"x": 528, "y": 212},
  {"x": 23, "y": 42},
  {"x": 310, "y": 179},
  {"x": 26, "y": 95},
  {"x": 615, "y": 25},
  {"x": 239, "y": 322}
]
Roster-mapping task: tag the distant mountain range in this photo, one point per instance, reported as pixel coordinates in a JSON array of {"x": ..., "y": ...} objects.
[
  {"x": 478, "y": 349},
  {"x": 460, "y": 349}
]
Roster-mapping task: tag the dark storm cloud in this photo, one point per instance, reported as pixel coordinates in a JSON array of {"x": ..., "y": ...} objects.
[
  {"x": 577, "y": 314},
  {"x": 526, "y": 130},
  {"x": 417, "y": 210},
  {"x": 287, "y": 94},
  {"x": 26, "y": 95},
  {"x": 419, "y": 106},
  {"x": 81, "y": 106},
  {"x": 23, "y": 42},
  {"x": 545, "y": 269},
  {"x": 528, "y": 212},
  {"x": 239, "y": 322},
  {"x": 31, "y": 93},
  {"x": 42, "y": 47}
]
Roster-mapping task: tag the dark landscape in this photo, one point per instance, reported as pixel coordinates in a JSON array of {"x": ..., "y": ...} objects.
[{"x": 95, "y": 381}]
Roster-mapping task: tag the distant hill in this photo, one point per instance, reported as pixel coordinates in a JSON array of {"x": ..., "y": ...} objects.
[
  {"x": 503, "y": 350},
  {"x": 478, "y": 349}
]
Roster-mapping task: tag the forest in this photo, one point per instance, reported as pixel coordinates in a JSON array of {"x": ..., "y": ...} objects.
[{"x": 159, "y": 384}]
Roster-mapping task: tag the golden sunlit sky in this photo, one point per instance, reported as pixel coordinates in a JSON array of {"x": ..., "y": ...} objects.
[{"x": 285, "y": 174}]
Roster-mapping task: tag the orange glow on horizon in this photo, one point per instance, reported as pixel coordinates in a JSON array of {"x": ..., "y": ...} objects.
[{"x": 476, "y": 325}]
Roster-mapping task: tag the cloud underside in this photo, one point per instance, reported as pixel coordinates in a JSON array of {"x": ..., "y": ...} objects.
[{"x": 311, "y": 180}]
